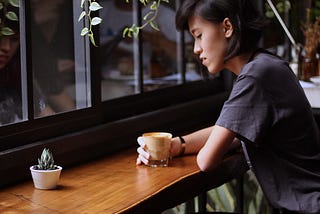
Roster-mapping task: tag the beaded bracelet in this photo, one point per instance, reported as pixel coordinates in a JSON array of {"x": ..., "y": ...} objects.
[{"x": 183, "y": 146}]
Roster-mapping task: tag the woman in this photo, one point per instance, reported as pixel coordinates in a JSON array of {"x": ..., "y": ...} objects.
[
  {"x": 10, "y": 77},
  {"x": 267, "y": 110},
  {"x": 55, "y": 72}
]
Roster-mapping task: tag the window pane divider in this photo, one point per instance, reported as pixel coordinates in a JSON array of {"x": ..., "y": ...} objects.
[
  {"x": 181, "y": 62},
  {"x": 137, "y": 48}
]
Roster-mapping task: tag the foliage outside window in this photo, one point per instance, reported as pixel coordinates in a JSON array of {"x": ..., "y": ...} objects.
[{"x": 149, "y": 18}]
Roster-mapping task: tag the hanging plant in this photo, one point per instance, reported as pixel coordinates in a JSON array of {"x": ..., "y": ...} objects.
[
  {"x": 8, "y": 14},
  {"x": 92, "y": 6},
  {"x": 149, "y": 18},
  {"x": 282, "y": 7}
]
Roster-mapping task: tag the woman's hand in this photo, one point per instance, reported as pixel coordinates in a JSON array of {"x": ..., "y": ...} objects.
[{"x": 143, "y": 156}]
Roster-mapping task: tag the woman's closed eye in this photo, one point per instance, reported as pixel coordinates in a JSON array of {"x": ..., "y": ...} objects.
[{"x": 198, "y": 36}]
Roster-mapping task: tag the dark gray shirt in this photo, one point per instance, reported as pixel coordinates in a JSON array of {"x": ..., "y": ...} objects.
[{"x": 270, "y": 113}]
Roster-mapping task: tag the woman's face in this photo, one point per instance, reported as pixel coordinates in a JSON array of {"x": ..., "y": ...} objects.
[
  {"x": 8, "y": 47},
  {"x": 210, "y": 42}
]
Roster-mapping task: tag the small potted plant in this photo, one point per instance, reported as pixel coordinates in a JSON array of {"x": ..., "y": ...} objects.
[{"x": 45, "y": 174}]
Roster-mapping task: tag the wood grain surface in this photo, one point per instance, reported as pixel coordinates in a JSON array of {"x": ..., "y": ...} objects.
[{"x": 116, "y": 185}]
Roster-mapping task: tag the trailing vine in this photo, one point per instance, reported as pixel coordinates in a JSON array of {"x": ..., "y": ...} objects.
[
  {"x": 92, "y": 6},
  {"x": 149, "y": 18}
]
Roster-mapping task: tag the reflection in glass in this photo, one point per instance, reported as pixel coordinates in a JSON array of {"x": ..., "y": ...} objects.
[
  {"x": 10, "y": 69},
  {"x": 117, "y": 71},
  {"x": 159, "y": 50},
  {"x": 58, "y": 82}
]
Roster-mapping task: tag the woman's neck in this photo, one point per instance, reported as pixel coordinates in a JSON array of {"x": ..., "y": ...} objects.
[{"x": 235, "y": 64}]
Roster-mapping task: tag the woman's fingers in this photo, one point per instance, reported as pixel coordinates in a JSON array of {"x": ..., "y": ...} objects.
[
  {"x": 141, "y": 160},
  {"x": 143, "y": 156},
  {"x": 141, "y": 142},
  {"x": 138, "y": 162},
  {"x": 143, "y": 153}
]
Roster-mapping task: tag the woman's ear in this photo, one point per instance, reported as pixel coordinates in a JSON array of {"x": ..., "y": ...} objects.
[{"x": 228, "y": 27}]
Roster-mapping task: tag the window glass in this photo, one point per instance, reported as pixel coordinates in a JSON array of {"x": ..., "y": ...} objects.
[
  {"x": 60, "y": 80},
  {"x": 159, "y": 61},
  {"x": 160, "y": 50},
  {"x": 11, "y": 110},
  {"x": 194, "y": 69},
  {"x": 116, "y": 52}
]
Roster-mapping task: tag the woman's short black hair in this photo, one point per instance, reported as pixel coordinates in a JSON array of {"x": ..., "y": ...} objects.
[{"x": 247, "y": 22}]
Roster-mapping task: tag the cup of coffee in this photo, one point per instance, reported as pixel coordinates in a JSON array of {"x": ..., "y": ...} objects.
[{"x": 158, "y": 146}]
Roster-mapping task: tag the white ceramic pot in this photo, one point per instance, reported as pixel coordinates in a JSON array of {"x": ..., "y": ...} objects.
[{"x": 45, "y": 179}]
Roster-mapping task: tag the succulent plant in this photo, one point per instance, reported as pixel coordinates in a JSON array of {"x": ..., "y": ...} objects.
[{"x": 46, "y": 162}]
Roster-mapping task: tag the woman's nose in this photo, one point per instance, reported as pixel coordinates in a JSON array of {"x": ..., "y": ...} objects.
[{"x": 197, "y": 49}]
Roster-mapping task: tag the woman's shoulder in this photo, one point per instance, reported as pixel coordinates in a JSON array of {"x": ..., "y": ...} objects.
[
  {"x": 265, "y": 62},
  {"x": 266, "y": 69}
]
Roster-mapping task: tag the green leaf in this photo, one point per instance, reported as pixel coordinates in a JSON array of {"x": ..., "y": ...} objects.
[
  {"x": 126, "y": 32},
  {"x": 154, "y": 6},
  {"x": 154, "y": 25},
  {"x": 12, "y": 16},
  {"x": 82, "y": 15},
  {"x": 148, "y": 15},
  {"x": 84, "y": 31},
  {"x": 135, "y": 30},
  {"x": 229, "y": 195},
  {"x": 96, "y": 21},
  {"x": 144, "y": 2},
  {"x": 14, "y": 3},
  {"x": 92, "y": 40},
  {"x": 269, "y": 14},
  {"x": 46, "y": 161},
  {"x": 251, "y": 209},
  {"x": 1, "y": 5},
  {"x": 82, "y": 3},
  {"x": 94, "y": 6},
  {"x": 6, "y": 31}
]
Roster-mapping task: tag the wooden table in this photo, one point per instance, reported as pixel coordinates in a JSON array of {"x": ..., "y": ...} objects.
[{"x": 116, "y": 185}]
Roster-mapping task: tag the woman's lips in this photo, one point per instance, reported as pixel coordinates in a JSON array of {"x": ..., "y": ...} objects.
[{"x": 203, "y": 61}]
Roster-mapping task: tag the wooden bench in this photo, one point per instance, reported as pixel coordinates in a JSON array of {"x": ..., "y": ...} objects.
[{"x": 115, "y": 184}]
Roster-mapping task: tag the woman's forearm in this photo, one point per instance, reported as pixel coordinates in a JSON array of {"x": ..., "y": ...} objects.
[
  {"x": 196, "y": 140},
  {"x": 193, "y": 142}
]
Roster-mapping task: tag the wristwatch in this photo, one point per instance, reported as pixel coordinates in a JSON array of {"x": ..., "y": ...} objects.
[{"x": 183, "y": 146}]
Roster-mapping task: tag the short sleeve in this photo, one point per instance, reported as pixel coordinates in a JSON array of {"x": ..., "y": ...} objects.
[{"x": 247, "y": 110}]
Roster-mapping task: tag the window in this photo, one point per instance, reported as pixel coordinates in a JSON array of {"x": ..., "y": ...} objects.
[
  {"x": 69, "y": 91},
  {"x": 60, "y": 75},
  {"x": 12, "y": 99},
  {"x": 159, "y": 54},
  {"x": 48, "y": 74},
  {"x": 60, "y": 81},
  {"x": 61, "y": 78}
]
